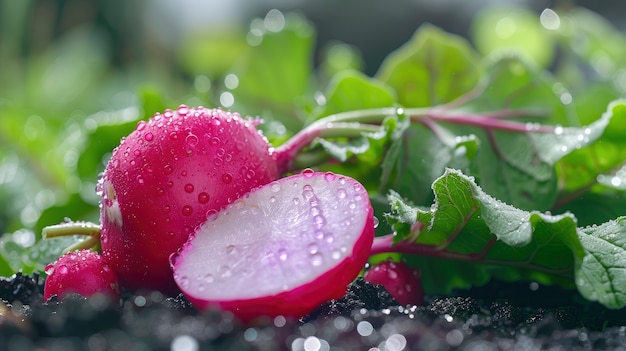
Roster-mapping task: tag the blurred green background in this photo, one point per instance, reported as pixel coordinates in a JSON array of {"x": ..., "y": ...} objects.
[{"x": 76, "y": 75}]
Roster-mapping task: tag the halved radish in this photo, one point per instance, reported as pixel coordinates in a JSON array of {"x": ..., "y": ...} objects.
[{"x": 283, "y": 249}]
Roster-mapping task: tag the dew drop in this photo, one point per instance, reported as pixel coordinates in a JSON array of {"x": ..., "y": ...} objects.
[
  {"x": 137, "y": 152},
  {"x": 160, "y": 191},
  {"x": 283, "y": 254},
  {"x": 313, "y": 249},
  {"x": 376, "y": 222},
  {"x": 211, "y": 215},
  {"x": 187, "y": 210},
  {"x": 49, "y": 269},
  {"x": 208, "y": 278},
  {"x": 63, "y": 269},
  {"x": 308, "y": 172},
  {"x": 192, "y": 140},
  {"x": 189, "y": 188},
  {"x": 141, "y": 125},
  {"x": 168, "y": 169},
  {"x": 148, "y": 136},
  {"x": 275, "y": 187},
  {"x": 230, "y": 249},
  {"x": 140, "y": 179},
  {"x": 203, "y": 198},
  {"x": 173, "y": 136},
  {"x": 329, "y": 176},
  {"x": 319, "y": 221},
  {"x": 317, "y": 260},
  {"x": 227, "y": 178},
  {"x": 183, "y": 110},
  {"x": 341, "y": 193},
  {"x": 392, "y": 274},
  {"x": 184, "y": 282},
  {"x": 214, "y": 141},
  {"x": 296, "y": 201},
  {"x": 224, "y": 271}
]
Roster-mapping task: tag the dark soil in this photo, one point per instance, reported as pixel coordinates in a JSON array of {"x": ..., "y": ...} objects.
[{"x": 495, "y": 317}]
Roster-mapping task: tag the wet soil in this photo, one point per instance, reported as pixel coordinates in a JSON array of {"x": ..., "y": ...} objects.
[{"x": 498, "y": 316}]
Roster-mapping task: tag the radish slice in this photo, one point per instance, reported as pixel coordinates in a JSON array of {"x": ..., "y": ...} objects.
[{"x": 283, "y": 249}]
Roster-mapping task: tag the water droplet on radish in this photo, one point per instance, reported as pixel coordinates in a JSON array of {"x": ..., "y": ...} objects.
[
  {"x": 211, "y": 215},
  {"x": 319, "y": 221},
  {"x": 187, "y": 210},
  {"x": 63, "y": 269},
  {"x": 141, "y": 125},
  {"x": 329, "y": 238},
  {"x": 173, "y": 136},
  {"x": 330, "y": 176},
  {"x": 283, "y": 255},
  {"x": 215, "y": 141},
  {"x": 49, "y": 269},
  {"x": 317, "y": 259},
  {"x": 184, "y": 282},
  {"x": 296, "y": 201},
  {"x": 203, "y": 198},
  {"x": 192, "y": 140},
  {"x": 183, "y": 110},
  {"x": 137, "y": 152},
  {"x": 227, "y": 178},
  {"x": 313, "y": 249},
  {"x": 224, "y": 271},
  {"x": 308, "y": 172},
  {"x": 392, "y": 274},
  {"x": 376, "y": 222},
  {"x": 168, "y": 169},
  {"x": 189, "y": 188},
  {"x": 275, "y": 187},
  {"x": 272, "y": 199},
  {"x": 140, "y": 179},
  {"x": 148, "y": 136},
  {"x": 167, "y": 208},
  {"x": 336, "y": 255},
  {"x": 208, "y": 278},
  {"x": 341, "y": 193},
  {"x": 315, "y": 211},
  {"x": 230, "y": 249}
]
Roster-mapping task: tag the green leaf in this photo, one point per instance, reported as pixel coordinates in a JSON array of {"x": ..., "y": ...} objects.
[
  {"x": 362, "y": 154},
  {"x": 582, "y": 167},
  {"x": 421, "y": 155},
  {"x": 508, "y": 28},
  {"x": 489, "y": 237},
  {"x": 275, "y": 75},
  {"x": 601, "y": 276},
  {"x": 352, "y": 90},
  {"x": 433, "y": 68}
]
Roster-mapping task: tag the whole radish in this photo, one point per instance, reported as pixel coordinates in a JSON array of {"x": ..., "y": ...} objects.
[
  {"x": 283, "y": 249},
  {"x": 81, "y": 272},
  {"x": 399, "y": 279},
  {"x": 166, "y": 178}
]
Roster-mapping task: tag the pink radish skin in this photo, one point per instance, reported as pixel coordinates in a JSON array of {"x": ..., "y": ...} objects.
[
  {"x": 165, "y": 178},
  {"x": 80, "y": 272},
  {"x": 400, "y": 280},
  {"x": 284, "y": 249}
]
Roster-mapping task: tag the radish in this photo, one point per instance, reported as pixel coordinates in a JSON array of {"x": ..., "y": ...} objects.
[
  {"x": 283, "y": 249},
  {"x": 400, "y": 280},
  {"x": 81, "y": 272},
  {"x": 165, "y": 178}
]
